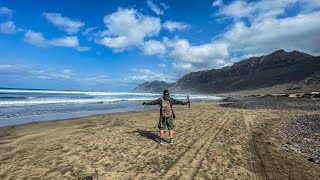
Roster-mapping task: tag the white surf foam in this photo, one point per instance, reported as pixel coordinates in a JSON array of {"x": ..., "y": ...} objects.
[{"x": 96, "y": 97}]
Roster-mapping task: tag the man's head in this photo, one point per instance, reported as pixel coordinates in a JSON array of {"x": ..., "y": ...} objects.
[{"x": 166, "y": 95}]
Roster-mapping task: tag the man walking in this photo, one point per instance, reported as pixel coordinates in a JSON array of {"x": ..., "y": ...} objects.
[{"x": 166, "y": 113}]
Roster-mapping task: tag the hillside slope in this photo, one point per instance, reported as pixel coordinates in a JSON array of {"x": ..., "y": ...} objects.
[{"x": 292, "y": 69}]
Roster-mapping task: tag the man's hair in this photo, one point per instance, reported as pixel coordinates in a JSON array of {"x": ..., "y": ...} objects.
[{"x": 165, "y": 92}]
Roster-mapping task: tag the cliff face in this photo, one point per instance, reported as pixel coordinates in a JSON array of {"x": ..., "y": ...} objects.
[{"x": 279, "y": 67}]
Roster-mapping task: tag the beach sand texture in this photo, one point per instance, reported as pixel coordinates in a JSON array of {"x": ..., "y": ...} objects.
[{"x": 211, "y": 142}]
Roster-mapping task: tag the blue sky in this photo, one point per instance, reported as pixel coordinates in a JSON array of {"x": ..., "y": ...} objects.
[{"x": 116, "y": 45}]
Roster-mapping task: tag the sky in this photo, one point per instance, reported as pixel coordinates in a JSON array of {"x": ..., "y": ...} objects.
[{"x": 107, "y": 45}]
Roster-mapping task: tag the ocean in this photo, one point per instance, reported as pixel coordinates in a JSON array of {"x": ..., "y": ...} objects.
[{"x": 20, "y": 106}]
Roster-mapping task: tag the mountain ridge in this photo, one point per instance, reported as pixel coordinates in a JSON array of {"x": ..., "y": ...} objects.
[{"x": 277, "y": 68}]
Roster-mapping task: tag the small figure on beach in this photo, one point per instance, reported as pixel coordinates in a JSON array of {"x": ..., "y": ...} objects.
[{"x": 167, "y": 116}]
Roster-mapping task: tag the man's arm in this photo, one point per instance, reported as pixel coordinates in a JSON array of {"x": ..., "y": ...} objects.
[
  {"x": 157, "y": 101},
  {"x": 174, "y": 101}
]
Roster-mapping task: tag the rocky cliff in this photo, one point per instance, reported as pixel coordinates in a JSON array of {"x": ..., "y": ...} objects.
[{"x": 294, "y": 69}]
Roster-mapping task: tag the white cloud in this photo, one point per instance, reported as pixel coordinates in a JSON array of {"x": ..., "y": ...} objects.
[
  {"x": 237, "y": 9},
  {"x": 153, "y": 48},
  {"x": 217, "y": 3},
  {"x": 65, "y": 74},
  {"x": 9, "y": 28},
  {"x": 195, "y": 57},
  {"x": 90, "y": 33},
  {"x": 259, "y": 10},
  {"x": 267, "y": 31},
  {"x": 88, "y": 30},
  {"x": 173, "y": 26},
  {"x": 68, "y": 74},
  {"x": 37, "y": 39},
  {"x": 117, "y": 43},
  {"x": 64, "y": 23},
  {"x": 164, "y": 6},
  {"x": 22, "y": 72},
  {"x": 301, "y": 33},
  {"x": 210, "y": 55},
  {"x": 309, "y": 5},
  {"x": 183, "y": 67},
  {"x": 143, "y": 75},
  {"x": 5, "y": 66},
  {"x": 71, "y": 41},
  {"x": 155, "y": 8},
  {"x": 127, "y": 28},
  {"x": 5, "y": 11},
  {"x": 30, "y": 72}
]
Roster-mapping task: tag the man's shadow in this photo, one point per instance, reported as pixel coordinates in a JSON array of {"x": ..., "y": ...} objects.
[{"x": 148, "y": 134}]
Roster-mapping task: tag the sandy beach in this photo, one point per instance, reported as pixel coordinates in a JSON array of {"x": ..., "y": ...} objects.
[{"x": 212, "y": 141}]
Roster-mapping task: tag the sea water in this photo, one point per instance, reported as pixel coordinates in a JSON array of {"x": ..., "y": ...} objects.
[{"x": 21, "y": 106}]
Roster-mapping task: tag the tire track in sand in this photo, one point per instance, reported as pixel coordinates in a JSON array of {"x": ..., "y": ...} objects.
[
  {"x": 189, "y": 163},
  {"x": 256, "y": 160}
]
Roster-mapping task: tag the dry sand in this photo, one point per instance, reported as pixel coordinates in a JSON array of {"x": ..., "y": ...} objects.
[{"x": 211, "y": 142}]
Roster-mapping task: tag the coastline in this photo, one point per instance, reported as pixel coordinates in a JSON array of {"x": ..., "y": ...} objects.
[
  {"x": 212, "y": 141},
  {"x": 76, "y": 115},
  {"x": 25, "y": 106}
]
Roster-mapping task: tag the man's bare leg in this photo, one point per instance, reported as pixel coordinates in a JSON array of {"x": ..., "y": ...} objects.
[
  {"x": 161, "y": 134},
  {"x": 170, "y": 134}
]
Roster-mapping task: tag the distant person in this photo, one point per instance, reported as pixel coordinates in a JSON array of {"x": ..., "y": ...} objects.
[{"x": 166, "y": 114}]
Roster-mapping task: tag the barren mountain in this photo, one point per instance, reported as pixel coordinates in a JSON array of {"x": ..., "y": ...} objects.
[{"x": 284, "y": 70}]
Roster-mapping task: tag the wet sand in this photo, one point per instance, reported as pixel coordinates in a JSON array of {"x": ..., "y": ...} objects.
[{"x": 211, "y": 142}]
